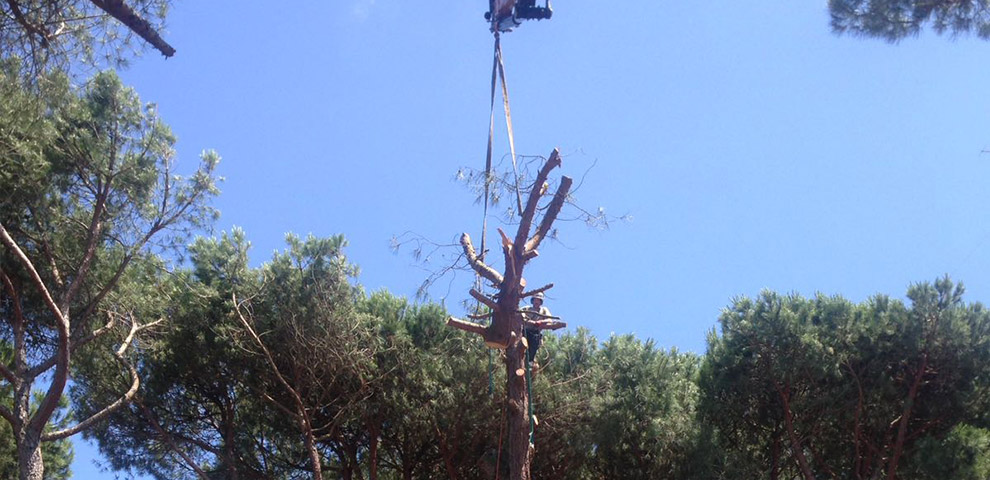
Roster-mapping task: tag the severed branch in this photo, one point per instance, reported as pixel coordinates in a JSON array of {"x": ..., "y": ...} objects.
[
  {"x": 120, "y": 402},
  {"x": 123, "y": 12},
  {"x": 467, "y": 326},
  {"x": 545, "y": 324},
  {"x": 534, "y": 291},
  {"x": 477, "y": 265}
]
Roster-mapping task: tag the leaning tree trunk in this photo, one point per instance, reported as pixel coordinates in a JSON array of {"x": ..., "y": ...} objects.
[{"x": 507, "y": 321}]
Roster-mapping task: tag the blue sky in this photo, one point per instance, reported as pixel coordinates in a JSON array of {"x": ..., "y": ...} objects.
[{"x": 753, "y": 148}]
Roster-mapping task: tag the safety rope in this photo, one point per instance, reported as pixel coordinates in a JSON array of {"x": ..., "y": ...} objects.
[{"x": 529, "y": 399}]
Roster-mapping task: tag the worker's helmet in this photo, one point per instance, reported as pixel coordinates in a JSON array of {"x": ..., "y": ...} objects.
[{"x": 537, "y": 295}]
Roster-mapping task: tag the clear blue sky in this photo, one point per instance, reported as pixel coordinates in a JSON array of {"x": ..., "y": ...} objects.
[{"x": 753, "y": 148}]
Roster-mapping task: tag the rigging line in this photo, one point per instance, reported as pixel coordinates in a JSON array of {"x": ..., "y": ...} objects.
[
  {"x": 508, "y": 122},
  {"x": 488, "y": 157},
  {"x": 484, "y": 221}
]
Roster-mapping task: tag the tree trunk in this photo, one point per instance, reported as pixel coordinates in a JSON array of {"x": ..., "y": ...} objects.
[
  {"x": 29, "y": 462},
  {"x": 314, "y": 453},
  {"x": 775, "y": 456},
  {"x": 373, "y": 452},
  {"x": 796, "y": 448},
  {"x": 519, "y": 449},
  {"x": 506, "y": 328},
  {"x": 902, "y": 427},
  {"x": 448, "y": 461}
]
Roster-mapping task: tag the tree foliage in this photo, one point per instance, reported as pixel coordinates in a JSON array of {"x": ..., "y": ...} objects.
[
  {"x": 892, "y": 20},
  {"x": 68, "y": 34},
  {"x": 90, "y": 196},
  {"x": 817, "y": 387}
]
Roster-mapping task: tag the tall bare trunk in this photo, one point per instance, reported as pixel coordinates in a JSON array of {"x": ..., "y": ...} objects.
[{"x": 519, "y": 449}]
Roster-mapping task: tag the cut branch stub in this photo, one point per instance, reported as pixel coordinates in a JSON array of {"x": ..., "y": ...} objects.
[
  {"x": 483, "y": 299},
  {"x": 466, "y": 326}
]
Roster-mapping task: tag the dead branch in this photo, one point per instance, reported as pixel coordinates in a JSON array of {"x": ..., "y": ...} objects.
[
  {"x": 306, "y": 423},
  {"x": 477, "y": 265}
]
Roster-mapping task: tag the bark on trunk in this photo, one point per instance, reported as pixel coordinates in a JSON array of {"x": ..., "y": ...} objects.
[
  {"x": 314, "y": 454},
  {"x": 29, "y": 462},
  {"x": 519, "y": 448}
]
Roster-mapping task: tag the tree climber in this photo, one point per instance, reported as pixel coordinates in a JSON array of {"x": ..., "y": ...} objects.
[{"x": 534, "y": 315}]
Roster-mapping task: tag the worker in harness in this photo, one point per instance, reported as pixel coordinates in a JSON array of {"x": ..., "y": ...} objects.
[
  {"x": 508, "y": 14},
  {"x": 535, "y": 314}
]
